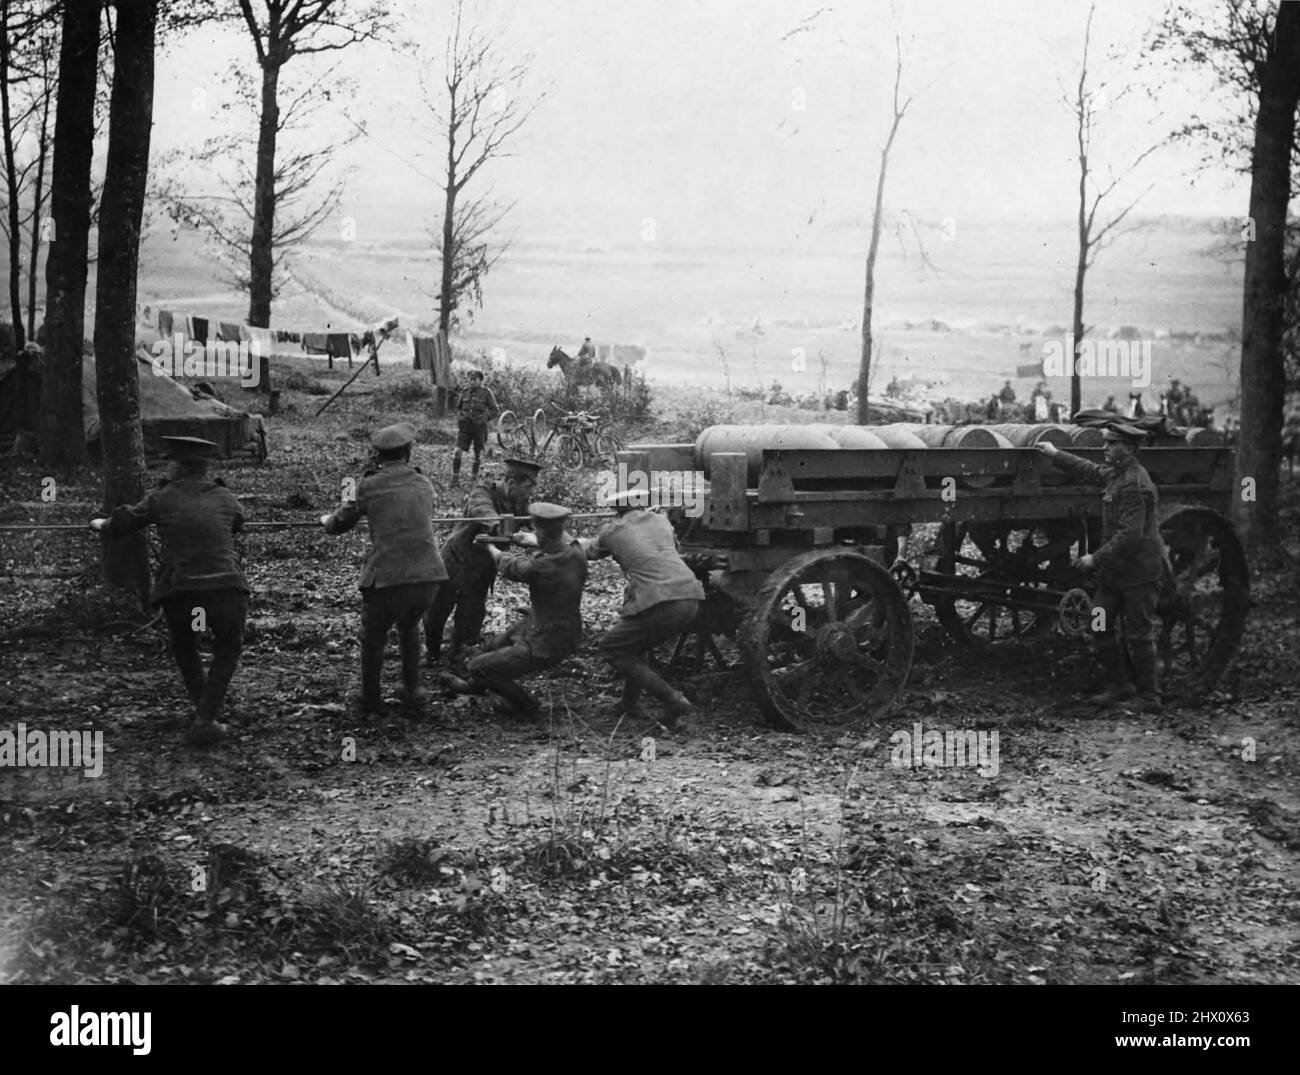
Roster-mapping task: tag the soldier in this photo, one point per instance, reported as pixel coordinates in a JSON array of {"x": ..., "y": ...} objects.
[
  {"x": 1008, "y": 394},
  {"x": 1129, "y": 564},
  {"x": 470, "y": 567},
  {"x": 201, "y": 583},
  {"x": 661, "y": 600},
  {"x": 403, "y": 572},
  {"x": 555, "y": 569},
  {"x": 587, "y": 352},
  {"x": 477, "y": 406}
]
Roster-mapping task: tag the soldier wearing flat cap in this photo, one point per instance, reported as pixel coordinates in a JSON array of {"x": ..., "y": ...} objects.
[
  {"x": 661, "y": 601},
  {"x": 201, "y": 583},
  {"x": 470, "y": 568},
  {"x": 404, "y": 570},
  {"x": 1129, "y": 564},
  {"x": 477, "y": 406},
  {"x": 554, "y": 566}
]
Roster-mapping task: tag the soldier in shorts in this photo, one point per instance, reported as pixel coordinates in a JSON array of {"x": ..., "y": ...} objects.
[{"x": 477, "y": 407}]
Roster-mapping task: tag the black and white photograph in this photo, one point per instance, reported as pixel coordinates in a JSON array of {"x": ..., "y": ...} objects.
[{"x": 669, "y": 492}]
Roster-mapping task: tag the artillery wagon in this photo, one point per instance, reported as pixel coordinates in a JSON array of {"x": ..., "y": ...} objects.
[{"x": 800, "y": 529}]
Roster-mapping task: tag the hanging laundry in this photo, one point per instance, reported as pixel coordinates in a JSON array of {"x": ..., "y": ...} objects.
[
  {"x": 441, "y": 360},
  {"x": 339, "y": 345},
  {"x": 315, "y": 343},
  {"x": 164, "y": 324},
  {"x": 423, "y": 352},
  {"x": 199, "y": 329},
  {"x": 228, "y": 332},
  {"x": 260, "y": 341}
]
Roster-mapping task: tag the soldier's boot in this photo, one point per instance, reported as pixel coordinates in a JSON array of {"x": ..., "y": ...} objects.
[
  {"x": 372, "y": 665},
  {"x": 642, "y": 677},
  {"x": 191, "y": 669},
  {"x": 455, "y": 469},
  {"x": 1113, "y": 671},
  {"x": 516, "y": 698},
  {"x": 630, "y": 705},
  {"x": 474, "y": 468},
  {"x": 1146, "y": 663},
  {"x": 409, "y": 640}
]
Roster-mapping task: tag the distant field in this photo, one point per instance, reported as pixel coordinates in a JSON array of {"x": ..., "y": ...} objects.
[{"x": 995, "y": 292}]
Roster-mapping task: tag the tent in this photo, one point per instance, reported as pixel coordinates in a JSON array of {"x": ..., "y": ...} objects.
[{"x": 167, "y": 408}]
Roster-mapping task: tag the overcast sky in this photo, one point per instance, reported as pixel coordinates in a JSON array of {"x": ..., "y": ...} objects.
[{"x": 737, "y": 122}]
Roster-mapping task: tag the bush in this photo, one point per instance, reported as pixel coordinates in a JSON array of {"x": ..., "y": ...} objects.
[
  {"x": 297, "y": 381},
  {"x": 402, "y": 390},
  {"x": 523, "y": 389},
  {"x": 706, "y": 411}
]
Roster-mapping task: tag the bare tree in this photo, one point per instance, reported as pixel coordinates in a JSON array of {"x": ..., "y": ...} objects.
[
  {"x": 27, "y": 67},
  {"x": 1252, "y": 49},
  {"x": 126, "y": 559},
  {"x": 281, "y": 30},
  {"x": 477, "y": 106},
  {"x": 226, "y": 215},
  {"x": 877, "y": 220},
  {"x": 1094, "y": 234},
  {"x": 62, "y": 433}
]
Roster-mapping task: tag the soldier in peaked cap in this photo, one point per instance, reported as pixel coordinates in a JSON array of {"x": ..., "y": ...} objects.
[
  {"x": 402, "y": 574},
  {"x": 1129, "y": 564},
  {"x": 201, "y": 584},
  {"x": 554, "y": 567},
  {"x": 470, "y": 567}
]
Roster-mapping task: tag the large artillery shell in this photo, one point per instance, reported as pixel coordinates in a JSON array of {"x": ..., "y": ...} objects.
[
  {"x": 1026, "y": 436},
  {"x": 1086, "y": 437},
  {"x": 752, "y": 440}
]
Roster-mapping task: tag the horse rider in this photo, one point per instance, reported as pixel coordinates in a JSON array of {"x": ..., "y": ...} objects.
[
  {"x": 404, "y": 570},
  {"x": 661, "y": 600},
  {"x": 470, "y": 567},
  {"x": 587, "y": 352},
  {"x": 477, "y": 407},
  {"x": 554, "y": 566},
  {"x": 201, "y": 584},
  {"x": 1129, "y": 564}
]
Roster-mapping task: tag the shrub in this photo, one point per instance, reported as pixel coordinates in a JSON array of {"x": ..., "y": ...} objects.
[{"x": 704, "y": 412}]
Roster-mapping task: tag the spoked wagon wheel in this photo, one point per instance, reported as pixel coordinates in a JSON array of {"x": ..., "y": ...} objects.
[
  {"x": 1203, "y": 607},
  {"x": 829, "y": 641},
  {"x": 1028, "y": 556}
]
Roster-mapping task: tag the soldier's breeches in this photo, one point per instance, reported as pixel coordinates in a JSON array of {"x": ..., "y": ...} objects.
[
  {"x": 381, "y": 609},
  {"x": 627, "y": 644},
  {"x": 1136, "y": 607},
  {"x": 223, "y": 613}
]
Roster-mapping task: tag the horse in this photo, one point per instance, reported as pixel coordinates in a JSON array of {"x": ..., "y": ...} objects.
[{"x": 583, "y": 371}]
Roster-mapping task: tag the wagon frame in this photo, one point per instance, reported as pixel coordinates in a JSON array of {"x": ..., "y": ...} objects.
[{"x": 799, "y": 547}]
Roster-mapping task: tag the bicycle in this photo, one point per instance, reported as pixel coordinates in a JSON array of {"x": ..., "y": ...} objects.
[{"x": 579, "y": 437}]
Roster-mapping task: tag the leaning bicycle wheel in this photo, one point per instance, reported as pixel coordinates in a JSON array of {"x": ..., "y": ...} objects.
[
  {"x": 540, "y": 426},
  {"x": 604, "y": 448},
  {"x": 569, "y": 451},
  {"x": 507, "y": 427}
]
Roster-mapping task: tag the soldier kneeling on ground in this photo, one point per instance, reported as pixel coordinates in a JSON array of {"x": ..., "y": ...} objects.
[
  {"x": 201, "y": 583},
  {"x": 402, "y": 574},
  {"x": 1129, "y": 565},
  {"x": 554, "y": 566}
]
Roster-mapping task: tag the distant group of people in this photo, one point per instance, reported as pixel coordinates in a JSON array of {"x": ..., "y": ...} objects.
[
  {"x": 1178, "y": 403},
  {"x": 409, "y": 579}
]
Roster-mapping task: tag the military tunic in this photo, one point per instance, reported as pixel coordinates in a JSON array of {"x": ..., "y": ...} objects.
[
  {"x": 197, "y": 518},
  {"x": 1129, "y": 564},
  {"x": 470, "y": 569}
]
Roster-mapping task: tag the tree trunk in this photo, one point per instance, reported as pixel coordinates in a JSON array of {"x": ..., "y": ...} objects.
[
  {"x": 448, "y": 256},
  {"x": 1080, "y": 271},
  {"x": 38, "y": 203},
  {"x": 126, "y": 559},
  {"x": 869, "y": 289},
  {"x": 63, "y": 435},
  {"x": 261, "y": 259},
  {"x": 11, "y": 183},
  {"x": 1263, "y": 382}
]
